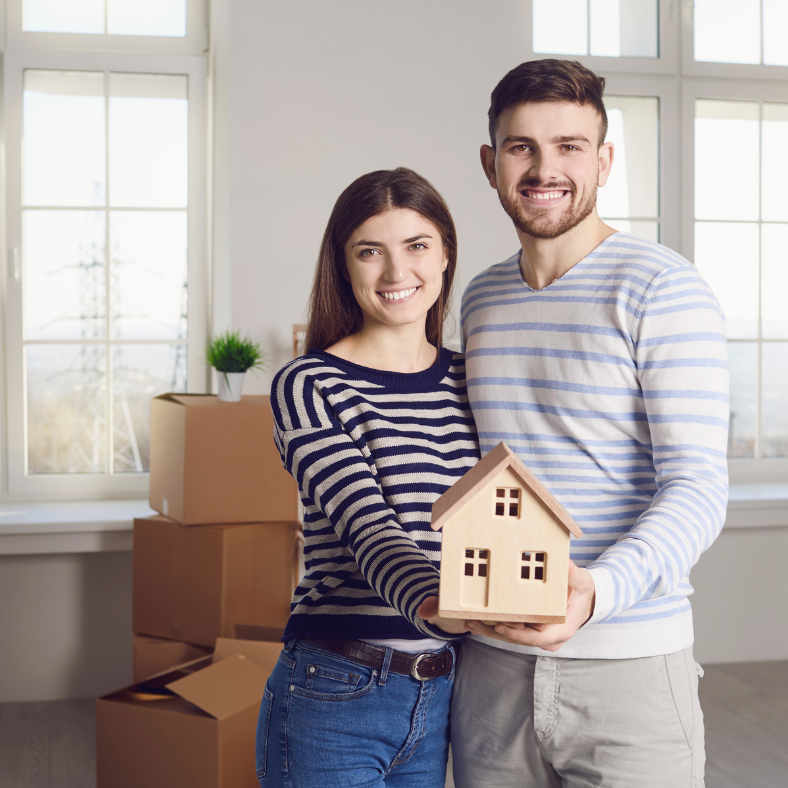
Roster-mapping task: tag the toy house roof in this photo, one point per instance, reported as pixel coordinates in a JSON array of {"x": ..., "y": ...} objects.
[{"x": 501, "y": 457}]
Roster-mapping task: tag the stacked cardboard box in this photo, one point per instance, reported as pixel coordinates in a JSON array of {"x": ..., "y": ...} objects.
[{"x": 216, "y": 568}]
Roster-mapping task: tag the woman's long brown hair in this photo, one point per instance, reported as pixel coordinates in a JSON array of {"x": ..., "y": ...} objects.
[{"x": 333, "y": 311}]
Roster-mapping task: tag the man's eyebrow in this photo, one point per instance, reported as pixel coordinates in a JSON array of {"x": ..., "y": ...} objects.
[
  {"x": 571, "y": 138},
  {"x": 555, "y": 140}
]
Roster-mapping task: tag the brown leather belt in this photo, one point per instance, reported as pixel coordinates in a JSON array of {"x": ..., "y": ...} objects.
[{"x": 424, "y": 666}]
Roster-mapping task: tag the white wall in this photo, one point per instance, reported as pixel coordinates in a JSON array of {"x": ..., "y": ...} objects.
[{"x": 320, "y": 93}]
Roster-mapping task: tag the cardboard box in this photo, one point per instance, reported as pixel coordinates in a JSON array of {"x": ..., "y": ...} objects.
[
  {"x": 190, "y": 728},
  {"x": 216, "y": 462},
  {"x": 195, "y": 584},
  {"x": 154, "y": 655}
]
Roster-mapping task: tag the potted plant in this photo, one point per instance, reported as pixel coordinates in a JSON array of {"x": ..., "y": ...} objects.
[{"x": 231, "y": 356}]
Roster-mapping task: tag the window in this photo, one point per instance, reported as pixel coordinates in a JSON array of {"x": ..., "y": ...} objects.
[
  {"x": 679, "y": 91},
  {"x": 606, "y": 28},
  {"x": 506, "y": 502},
  {"x": 533, "y": 566},
  {"x": 476, "y": 562},
  {"x": 106, "y": 305},
  {"x": 172, "y": 27}
]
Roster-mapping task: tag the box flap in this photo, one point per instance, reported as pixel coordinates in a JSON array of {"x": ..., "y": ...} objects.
[
  {"x": 224, "y": 688},
  {"x": 263, "y": 654}
]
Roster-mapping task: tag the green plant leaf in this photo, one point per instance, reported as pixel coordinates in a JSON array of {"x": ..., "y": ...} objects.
[{"x": 229, "y": 352}]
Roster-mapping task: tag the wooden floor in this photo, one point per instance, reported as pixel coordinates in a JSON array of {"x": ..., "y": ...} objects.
[{"x": 51, "y": 745}]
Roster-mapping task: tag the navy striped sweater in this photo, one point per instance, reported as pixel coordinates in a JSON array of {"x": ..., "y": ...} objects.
[{"x": 371, "y": 451}]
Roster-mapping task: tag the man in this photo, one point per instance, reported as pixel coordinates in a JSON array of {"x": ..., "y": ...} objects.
[{"x": 601, "y": 360}]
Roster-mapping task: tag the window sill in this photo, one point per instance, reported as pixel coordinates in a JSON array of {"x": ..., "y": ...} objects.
[
  {"x": 69, "y": 526},
  {"x": 757, "y": 506},
  {"x": 106, "y": 526}
]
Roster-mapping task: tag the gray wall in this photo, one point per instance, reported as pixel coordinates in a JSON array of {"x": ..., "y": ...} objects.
[{"x": 320, "y": 93}]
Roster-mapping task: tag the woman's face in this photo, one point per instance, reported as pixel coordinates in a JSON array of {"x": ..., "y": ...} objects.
[{"x": 395, "y": 263}]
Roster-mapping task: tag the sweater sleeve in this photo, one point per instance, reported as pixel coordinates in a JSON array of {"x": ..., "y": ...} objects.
[
  {"x": 335, "y": 471},
  {"x": 682, "y": 363}
]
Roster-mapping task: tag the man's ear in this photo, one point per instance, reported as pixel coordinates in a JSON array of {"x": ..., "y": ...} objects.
[
  {"x": 605, "y": 163},
  {"x": 487, "y": 155}
]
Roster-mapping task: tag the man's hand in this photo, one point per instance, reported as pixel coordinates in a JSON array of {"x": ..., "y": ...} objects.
[
  {"x": 550, "y": 637},
  {"x": 428, "y": 611}
]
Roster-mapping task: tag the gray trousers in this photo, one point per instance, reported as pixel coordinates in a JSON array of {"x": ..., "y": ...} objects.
[{"x": 520, "y": 721}]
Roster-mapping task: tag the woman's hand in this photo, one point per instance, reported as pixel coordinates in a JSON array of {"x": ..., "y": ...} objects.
[{"x": 428, "y": 611}]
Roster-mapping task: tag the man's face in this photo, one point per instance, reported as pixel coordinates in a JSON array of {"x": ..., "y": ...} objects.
[{"x": 546, "y": 166}]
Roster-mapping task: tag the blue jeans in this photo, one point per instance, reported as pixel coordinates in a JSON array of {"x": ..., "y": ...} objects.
[{"x": 328, "y": 722}]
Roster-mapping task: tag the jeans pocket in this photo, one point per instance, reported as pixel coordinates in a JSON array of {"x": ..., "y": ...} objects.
[
  {"x": 320, "y": 678},
  {"x": 263, "y": 725}
]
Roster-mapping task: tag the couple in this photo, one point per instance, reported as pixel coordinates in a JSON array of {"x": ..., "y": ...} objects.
[{"x": 601, "y": 360}]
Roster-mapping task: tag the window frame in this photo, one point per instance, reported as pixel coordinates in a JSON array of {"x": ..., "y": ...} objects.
[
  {"x": 703, "y": 68},
  {"x": 74, "y": 486},
  {"x": 744, "y": 470},
  {"x": 668, "y": 47},
  {"x": 195, "y": 42}
]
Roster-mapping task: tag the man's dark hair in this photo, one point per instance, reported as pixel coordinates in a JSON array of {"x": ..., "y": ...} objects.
[{"x": 548, "y": 80}]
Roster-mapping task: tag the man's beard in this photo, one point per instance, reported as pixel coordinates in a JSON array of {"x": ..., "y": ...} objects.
[{"x": 543, "y": 225}]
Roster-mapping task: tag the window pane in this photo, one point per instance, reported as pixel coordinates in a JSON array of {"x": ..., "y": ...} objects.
[
  {"x": 561, "y": 27},
  {"x": 774, "y": 205},
  {"x": 148, "y": 274},
  {"x": 63, "y": 144},
  {"x": 774, "y": 281},
  {"x": 64, "y": 274},
  {"x": 59, "y": 16},
  {"x": 728, "y": 31},
  {"x": 775, "y": 32},
  {"x": 774, "y": 404},
  {"x": 624, "y": 29},
  {"x": 66, "y": 408},
  {"x": 633, "y": 186},
  {"x": 139, "y": 373},
  {"x": 744, "y": 372},
  {"x": 720, "y": 127},
  {"x": 146, "y": 17},
  {"x": 148, "y": 132},
  {"x": 726, "y": 254}
]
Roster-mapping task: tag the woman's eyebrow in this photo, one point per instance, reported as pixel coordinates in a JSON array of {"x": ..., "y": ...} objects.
[
  {"x": 367, "y": 243},
  {"x": 416, "y": 238}
]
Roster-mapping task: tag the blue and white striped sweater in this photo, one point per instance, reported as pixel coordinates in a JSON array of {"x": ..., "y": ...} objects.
[
  {"x": 371, "y": 451},
  {"x": 611, "y": 384}
]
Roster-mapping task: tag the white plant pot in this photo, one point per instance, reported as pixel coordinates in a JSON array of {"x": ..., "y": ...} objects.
[{"x": 230, "y": 385}]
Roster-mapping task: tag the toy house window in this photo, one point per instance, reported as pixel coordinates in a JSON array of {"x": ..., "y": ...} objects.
[
  {"x": 507, "y": 502},
  {"x": 533, "y": 566},
  {"x": 476, "y": 562}
]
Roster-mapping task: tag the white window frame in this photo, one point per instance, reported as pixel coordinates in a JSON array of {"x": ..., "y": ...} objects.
[
  {"x": 742, "y": 470},
  {"x": 195, "y": 42},
  {"x": 677, "y": 80},
  {"x": 668, "y": 48},
  {"x": 701, "y": 68},
  {"x": 667, "y": 93},
  {"x": 65, "y": 486}
]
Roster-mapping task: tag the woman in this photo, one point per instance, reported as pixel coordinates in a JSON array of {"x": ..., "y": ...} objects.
[{"x": 374, "y": 424}]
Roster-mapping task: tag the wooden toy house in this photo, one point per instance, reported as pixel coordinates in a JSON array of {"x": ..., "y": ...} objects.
[{"x": 505, "y": 546}]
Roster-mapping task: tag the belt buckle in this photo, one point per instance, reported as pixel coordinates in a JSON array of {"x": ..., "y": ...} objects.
[{"x": 414, "y": 666}]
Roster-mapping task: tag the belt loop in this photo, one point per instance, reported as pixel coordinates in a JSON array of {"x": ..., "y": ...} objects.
[
  {"x": 384, "y": 668},
  {"x": 453, "y": 651}
]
